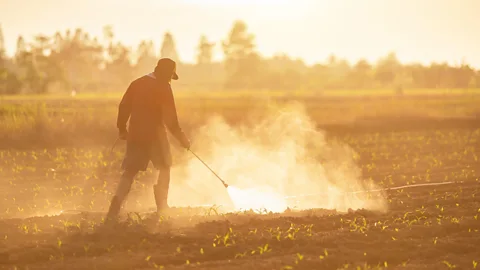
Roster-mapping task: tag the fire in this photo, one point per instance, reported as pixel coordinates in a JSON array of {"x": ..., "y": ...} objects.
[{"x": 256, "y": 200}]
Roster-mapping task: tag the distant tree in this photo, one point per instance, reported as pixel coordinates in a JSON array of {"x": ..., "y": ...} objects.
[
  {"x": 387, "y": 69},
  {"x": 146, "y": 59},
  {"x": 33, "y": 79},
  {"x": 361, "y": 74},
  {"x": 21, "y": 51},
  {"x": 3, "y": 70},
  {"x": 168, "y": 48},
  {"x": 25, "y": 65},
  {"x": 338, "y": 71},
  {"x": 120, "y": 68},
  {"x": 418, "y": 75},
  {"x": 116, "y": 63},
  {"x": 282, "y": 72},
  {"x": 205, "y": 51},
  {"x": 9, "y": 81},
  {"x": 57, "y": 42},
  {"x": 108, "y": 38},
  {"x": 465, "y": 76},
  {"x": 76, "y": 59},
  {"x": 42, "y": 71},
  {"x": 438, "y": 75},
  {"x": 317, "y": 77},
  {"x": 282, "y": 62},
  {"x": 205, "y": 73},
  {"x": 476, "y": 79},
  {"x": 242, "y": 62},
  {"x": 108, "y": 34},
  {"x": 2, "y": 46}
]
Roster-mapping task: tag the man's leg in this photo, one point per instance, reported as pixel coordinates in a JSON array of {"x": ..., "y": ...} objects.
[
  {"x": 122, "y": 191},
  {"x": 160, "y": 190},
  {"x": 162, "y": 160},
  {"x": 136, "y": 159}
]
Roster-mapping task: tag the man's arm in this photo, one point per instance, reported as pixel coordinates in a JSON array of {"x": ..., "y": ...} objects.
[
  {"x": 170, "y": 118},
  {"x": 124, "y": 110}
]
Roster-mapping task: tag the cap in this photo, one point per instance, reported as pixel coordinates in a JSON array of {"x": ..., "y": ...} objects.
[{"x": 167, "y": 65}]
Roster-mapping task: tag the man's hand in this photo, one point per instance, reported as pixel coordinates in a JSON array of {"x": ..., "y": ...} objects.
[
  {"x": 123, "y": 135},
  {"x": 185, "y": 142}
]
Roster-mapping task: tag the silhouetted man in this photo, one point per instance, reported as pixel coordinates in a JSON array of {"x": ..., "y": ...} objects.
[{"x": 150, "y": 105}]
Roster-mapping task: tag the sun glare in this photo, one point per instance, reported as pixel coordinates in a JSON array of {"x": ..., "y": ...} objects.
[
  {"x": 256, "y": 200},
  {"x": 238, "y": 2},
  {"x": 280, "y": 9}
]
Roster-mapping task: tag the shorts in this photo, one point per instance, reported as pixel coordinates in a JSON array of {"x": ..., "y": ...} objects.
[{"x": 139, "y": 155}]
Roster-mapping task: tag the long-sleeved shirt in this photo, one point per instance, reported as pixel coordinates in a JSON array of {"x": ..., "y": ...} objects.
[{"x": 150, "y": 105}]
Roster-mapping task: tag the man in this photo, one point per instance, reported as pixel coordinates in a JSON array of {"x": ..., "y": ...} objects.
[{"x": 150, "y": 105}]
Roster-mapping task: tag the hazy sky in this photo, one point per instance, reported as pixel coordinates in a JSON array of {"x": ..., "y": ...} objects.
[{"x": 418, "y": 30}]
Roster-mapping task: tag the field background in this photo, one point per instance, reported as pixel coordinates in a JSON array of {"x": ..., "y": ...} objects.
[
  {"x": 368, "y": 130},
  {"x": 55, "y": 156},
  {"x": 90, "y": 117}
]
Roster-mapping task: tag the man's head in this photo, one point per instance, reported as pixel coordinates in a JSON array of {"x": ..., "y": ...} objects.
[{"x": 166, "y": 69}]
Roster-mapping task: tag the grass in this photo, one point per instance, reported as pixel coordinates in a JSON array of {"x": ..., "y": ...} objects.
[
  {"x": 89, "y": 119},
  {"x": 185, "y": 93},
  {"x": 49, "y": 166}
]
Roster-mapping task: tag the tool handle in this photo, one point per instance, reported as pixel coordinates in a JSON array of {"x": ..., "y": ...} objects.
[
  {"x": 113, "y": 146},
  {"x": 223, "y": 182}
]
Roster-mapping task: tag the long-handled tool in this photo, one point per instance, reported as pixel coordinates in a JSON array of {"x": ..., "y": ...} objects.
[
  {"x": 223, "y": 182},
  {"x": 113, "y": 146}
]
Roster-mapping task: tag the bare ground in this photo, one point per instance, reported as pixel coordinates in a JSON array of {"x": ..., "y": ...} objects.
[
  {"x": 429, "y": 227},
  {"x": 425, "y": 228}
]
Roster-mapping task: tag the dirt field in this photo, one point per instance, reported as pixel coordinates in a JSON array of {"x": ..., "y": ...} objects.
[{"x": 432, "y": 226}]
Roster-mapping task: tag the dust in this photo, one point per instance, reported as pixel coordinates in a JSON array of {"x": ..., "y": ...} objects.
[
  {"x": 257, "y": 199},
  {"x": 277, "y": 159}
]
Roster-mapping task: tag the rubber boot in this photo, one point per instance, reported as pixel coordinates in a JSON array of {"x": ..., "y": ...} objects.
[
  {"x": 160, "y": 190},
  {"x": 122, "y": 191},
  {"x": 161, "y": 197},
  {"x": 114, "y": 209}
]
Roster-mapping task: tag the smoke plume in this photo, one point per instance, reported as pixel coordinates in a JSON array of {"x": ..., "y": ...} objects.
[{"x": 277, "y": 159}]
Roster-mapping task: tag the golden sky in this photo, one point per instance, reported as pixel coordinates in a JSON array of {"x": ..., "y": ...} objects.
[{"x": 418, "y": 30}]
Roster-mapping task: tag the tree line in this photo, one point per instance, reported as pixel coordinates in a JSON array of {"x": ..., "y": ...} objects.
[{"x": 75, "y": 60}]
